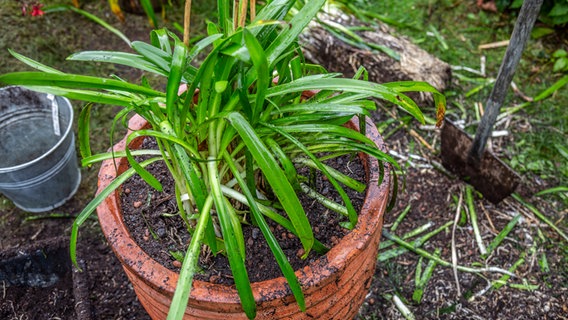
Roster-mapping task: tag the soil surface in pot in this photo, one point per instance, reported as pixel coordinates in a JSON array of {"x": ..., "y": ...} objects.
[{"x": 152, "y": 220}]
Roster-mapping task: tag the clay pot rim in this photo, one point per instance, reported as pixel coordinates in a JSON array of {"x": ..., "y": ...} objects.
[{"x": 311, "y": 276}]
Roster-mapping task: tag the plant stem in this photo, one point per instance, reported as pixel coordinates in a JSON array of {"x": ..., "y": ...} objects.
[
  {"x": 540, "y": 216},
  {"x": 410, "y": 234},
  {"x": 252, "y": 10},
  {"x": 186, "y": 22},
  {"x": 438, "y": 260},
  {"x": 400, "y": 218},
  {"x": 497, "y": 241},
  {"x": 473, "y": 216},
  {"x": 416, "y": 244},
  {"x": 503, "y": 280},
  {"x": 243, "y": 13}
]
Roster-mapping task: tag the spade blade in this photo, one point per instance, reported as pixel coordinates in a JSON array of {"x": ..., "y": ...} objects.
[{"x": 490, "y": 176}]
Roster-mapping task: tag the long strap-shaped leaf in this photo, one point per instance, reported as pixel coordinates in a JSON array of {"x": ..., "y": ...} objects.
[
  {"x": 276, "y": 178},
  {"x": 74, "y": 81},
  {"x": 231, "y": 234},
  {"x": 409, "y": 86},
  {"x": 32, "y": 63},
  {"x": 281, "y": 259},
  {"x": 297, "y": 25},
  {"x": 83, "y": 95},
  {"x": 349, "y": 85},
  {"x": 352, "y": 214},
  {"x": 189, "y": 266},
  {"x": 90, "y": 208},
  {"x": 172, "y": 88},
  {"x": 263, "y": 80},
  {"x": 122, "y": 58}
]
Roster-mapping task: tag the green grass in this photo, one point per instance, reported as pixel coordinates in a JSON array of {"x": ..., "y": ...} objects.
[{"x": 539, "y": 128}]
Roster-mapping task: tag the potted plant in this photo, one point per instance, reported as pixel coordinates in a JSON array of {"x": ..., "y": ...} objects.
[{"x": 248, "y": 116}]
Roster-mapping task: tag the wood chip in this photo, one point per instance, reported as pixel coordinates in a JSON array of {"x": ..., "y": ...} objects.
[{"x": 493, "y": 45}]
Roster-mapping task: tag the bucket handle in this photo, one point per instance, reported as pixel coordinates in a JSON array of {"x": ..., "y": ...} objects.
[{"x": 54, "y": 115}]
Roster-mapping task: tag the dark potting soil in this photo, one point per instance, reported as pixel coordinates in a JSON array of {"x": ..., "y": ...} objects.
[{"x": 152, "y": 219}]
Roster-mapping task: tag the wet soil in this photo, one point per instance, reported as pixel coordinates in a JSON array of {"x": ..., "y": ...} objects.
[{"x": 159, "y": 233}]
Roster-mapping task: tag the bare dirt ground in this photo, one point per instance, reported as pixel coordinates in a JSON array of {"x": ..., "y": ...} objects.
[{"x": 537, "y": 290}]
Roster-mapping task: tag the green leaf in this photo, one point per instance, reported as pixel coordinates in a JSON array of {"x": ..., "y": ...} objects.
[
  {"x": 559, "y": 9},
  {"x": 155, "y": 55},
  {"x": 122, "y": 58},
  {"x": 543, "y": 95},
  {"x": 263, "y": 78},
  {"x": 149, "y": 10},
  {"x": 351, "y": 213},
  {"x": 560, "y": 65},
  {"x": 100, "y": 22},
  {"x": 83, "y": 132},
  {"x": 190, "y": 264},
  {"x": 560, "y": 53},
  {"x": 32, "y": 63},
  {"x": 552, "y": 190},
  {"x": 276, "y": 178},
  {"x": 501, "y": 236},
  {"x": 99, "y": 198},
  {"x": 172, "y": 88},
  {"x": 232, "y": 235},
  {"x": 279, "y": 254},
  {"x": 297, "y": 25},
  {"x": 389, "y": 93},
  {"x": 117, "y": 154},
  {"x": 83, "y": 95},
  {"x": 563, "y": 150},
  {"x": 201, "y": 45},
  {"x": 540, "y": 32},
  {"x": 143, "y": 173},
  {"x": 187, "y": 166},
  {"x": 160, "y": 39},
  {"x": 74, "y": 81}
]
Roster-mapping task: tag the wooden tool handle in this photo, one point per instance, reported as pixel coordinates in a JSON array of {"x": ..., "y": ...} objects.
[{"x": 521, "y": 32}]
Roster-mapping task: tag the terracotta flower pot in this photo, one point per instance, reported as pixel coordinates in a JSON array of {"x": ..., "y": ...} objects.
[{"x": 334, "y": 285}]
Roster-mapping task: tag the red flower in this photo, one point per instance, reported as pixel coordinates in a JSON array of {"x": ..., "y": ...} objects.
[
  {"x": 24, "y": 9},
  {"x": 36, "y": 10}
]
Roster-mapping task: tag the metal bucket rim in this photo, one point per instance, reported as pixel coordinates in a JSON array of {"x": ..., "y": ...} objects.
[{"x": 68, "y": 105}]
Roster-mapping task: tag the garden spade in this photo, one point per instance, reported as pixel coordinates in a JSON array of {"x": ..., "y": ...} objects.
[{"x": 469, "y": 159}]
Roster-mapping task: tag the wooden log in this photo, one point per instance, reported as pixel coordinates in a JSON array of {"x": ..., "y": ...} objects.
[{"x": 322, "y": 47}]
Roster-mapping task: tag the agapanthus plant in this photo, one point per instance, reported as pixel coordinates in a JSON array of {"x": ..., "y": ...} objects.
[{"x": 241, "y": 117}]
